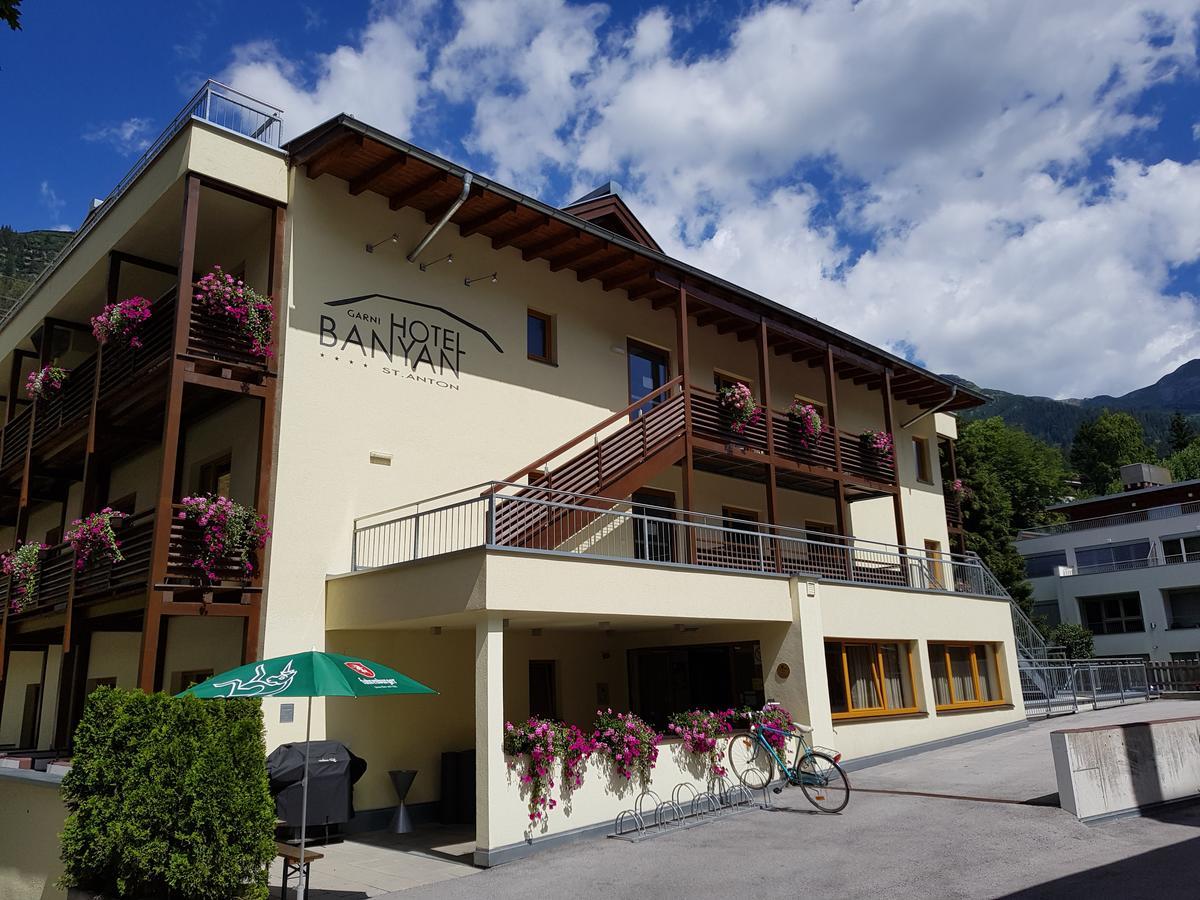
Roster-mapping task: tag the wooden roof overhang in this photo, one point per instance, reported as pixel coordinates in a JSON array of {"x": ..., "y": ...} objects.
[{"x": 371, "y": 160}]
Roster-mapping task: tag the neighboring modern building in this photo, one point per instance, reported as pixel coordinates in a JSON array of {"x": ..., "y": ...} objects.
[
  {"x": 548, "y": 531},
  {"x": 1125, "y": 565}
]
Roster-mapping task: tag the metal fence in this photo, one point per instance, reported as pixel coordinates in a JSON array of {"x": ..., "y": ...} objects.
[
  {"x": 1054, "y": 687},
  {"x": 511, "y": 515},
  {"x": 1153, "y": 514}
]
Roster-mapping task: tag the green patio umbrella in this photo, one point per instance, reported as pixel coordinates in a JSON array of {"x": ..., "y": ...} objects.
[{"x": 309, "y": 674}]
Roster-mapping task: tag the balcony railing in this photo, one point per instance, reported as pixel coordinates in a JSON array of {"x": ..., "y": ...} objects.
[
  {"x": 215, "y": 103},
  {"x": 1153, "y": 559},
  {"x": 602, "y": 528},
  {"x": 1151, "y": 514},
  {"x": 954, "y": 513}
]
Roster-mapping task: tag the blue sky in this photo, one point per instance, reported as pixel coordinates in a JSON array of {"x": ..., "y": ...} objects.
[{"x": 1009, "y": 191}]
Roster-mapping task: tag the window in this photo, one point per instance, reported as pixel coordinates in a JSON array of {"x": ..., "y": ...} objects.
[
  {"x": 215, "y": 476},
  {"x": 741, "y": 537},
  {"x": 126, "y": 504},
  {"x": 543, "y": 688},
  {"x": 181, "y": 681},
  {"x": 54, "y": 536},
  {"x": 722, "y": 380},
  {"x": 921, "y": 455},
  {"x": 653, "y": 525},
  {"x": 869, "y": 679},
  {"x": 539, "y": 336},
  {"x": 649, "y": 370},
  {"x": 1042, "y": 565},
  {"x": 934, "y": 566},
  {"x": 819, "y": 407},
  {"x": 666, "y": 680},
  {"x": 1183, "y": 548},
  {"x": 1183, "y": 607},
  {"x": 1113, "y": 557},
  {"x": 1112, "y": 613},
  {"x": 965, "y": 675},
  {"x": 1186, "y": 656}
]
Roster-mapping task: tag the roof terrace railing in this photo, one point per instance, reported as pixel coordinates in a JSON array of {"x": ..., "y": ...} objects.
[
  {"x": 572, "y": 524},
  {"x": 1151, "y": 514},
  {"x": 215, "y": 103}
]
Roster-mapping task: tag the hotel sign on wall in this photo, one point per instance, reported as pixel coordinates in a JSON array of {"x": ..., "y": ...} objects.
[{"x": 419, "y": 342}]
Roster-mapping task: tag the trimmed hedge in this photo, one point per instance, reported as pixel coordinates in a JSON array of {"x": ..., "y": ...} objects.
[{"x": 168, "y": 797}]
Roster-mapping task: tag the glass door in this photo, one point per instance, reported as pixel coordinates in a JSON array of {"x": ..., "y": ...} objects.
[
  {"x": 654, "y": 535},
  {"x": 649, "y": 369}
]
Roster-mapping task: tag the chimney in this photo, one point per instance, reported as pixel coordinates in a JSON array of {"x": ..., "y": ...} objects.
[{"x": 1143, "y": 475}]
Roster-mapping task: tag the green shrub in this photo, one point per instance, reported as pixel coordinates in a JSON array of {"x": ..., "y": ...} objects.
[
  {"x": 168, "y": 797},
  {"x": 1075, "y": 638}
]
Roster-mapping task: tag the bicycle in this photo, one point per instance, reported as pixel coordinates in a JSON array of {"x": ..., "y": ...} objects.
[{"x": 818, "y": 775}]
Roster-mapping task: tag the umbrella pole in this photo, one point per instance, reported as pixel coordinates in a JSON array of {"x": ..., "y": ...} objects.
[{"x": 302, "y": 890}]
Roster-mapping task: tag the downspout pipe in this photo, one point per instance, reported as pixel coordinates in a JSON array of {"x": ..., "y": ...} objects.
[
  {"x": 446, "y": 217},
  {"x": 929, "y": 412}
]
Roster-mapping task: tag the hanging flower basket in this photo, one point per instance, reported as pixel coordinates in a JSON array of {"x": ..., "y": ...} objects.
[
  {"x": 24, "y": 565},
  {"x": 878, "y": 445},
  {"x": 960, "y": 491},
  {"x": 93, "y": 538},
  {"x": 806, "y": 422},
  {"x": 223, "y": 295},
  {"x": 630, "y": 742},
  {"x": 702, "y": 732},
  {"x": 119, "y": 323},
  {"x": 738, "y": 407},
  {"x": 544, "y": 741},
  {"x": 230, "y": 532},
  {"x": 43, "y": 382}
]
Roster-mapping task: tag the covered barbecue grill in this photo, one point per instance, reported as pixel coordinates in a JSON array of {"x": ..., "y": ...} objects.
[{"x": 332, "y": 772}]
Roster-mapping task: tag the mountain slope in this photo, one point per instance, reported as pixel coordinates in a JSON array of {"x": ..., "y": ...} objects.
[
  {"x": 23, "y": 256},
  {"x": 1180, "y": 390}
]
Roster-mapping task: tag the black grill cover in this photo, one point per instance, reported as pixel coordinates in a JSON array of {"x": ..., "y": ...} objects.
[{"x": 332, "y": 772}]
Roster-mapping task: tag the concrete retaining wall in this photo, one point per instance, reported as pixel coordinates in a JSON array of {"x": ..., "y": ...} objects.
[
  {"x": 1118, "y": 770},
  {"x": 31, "y": 817}
]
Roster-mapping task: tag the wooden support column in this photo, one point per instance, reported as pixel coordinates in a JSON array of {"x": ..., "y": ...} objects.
[
  {"x": 833, "y": 420},
  {"x": 73, "y": 685},
  {"x": 764, "y": 381},
  {"x": 45, "y": 357},
  {"x": 888, "y": 423},
  {"x": 685, "y": 373},
  {"x": 153, "y": 634}
]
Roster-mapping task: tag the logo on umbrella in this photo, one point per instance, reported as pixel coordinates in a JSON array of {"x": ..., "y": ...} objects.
[
  {"x": 262, "y": 684},
  {"x": 363, "y": 670}
]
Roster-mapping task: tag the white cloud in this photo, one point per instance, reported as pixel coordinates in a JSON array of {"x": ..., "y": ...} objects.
[
  {"x": 957, "y": 134},
  {"x": 53, "y": 204},
  {"x": 129, "y": 137}
]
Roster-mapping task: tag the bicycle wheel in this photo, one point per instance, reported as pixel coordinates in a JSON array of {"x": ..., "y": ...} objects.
[
  {"x": 823, "y": 782},
  {"x": 752, "y": 764}
]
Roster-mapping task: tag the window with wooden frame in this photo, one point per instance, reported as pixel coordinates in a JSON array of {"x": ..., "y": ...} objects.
[
  {"x": 539, "y": 336},
  {"x": 216, "y": 475},
  {"x": 921, "y": 454},
  {"x": 870, "y": 678},
  {"x": 965, "y": 676},
  {"x": 818, "y": 405},
  {"x": 722, "y": 380}
]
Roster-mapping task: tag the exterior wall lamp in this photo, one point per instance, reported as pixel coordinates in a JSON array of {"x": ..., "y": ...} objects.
[
  {"x": 393, "y": 238},
  {"x": 449, "y": 258},
  {"x": 470, "y": 281}
]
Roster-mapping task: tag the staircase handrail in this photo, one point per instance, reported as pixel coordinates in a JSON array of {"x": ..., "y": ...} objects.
[{"x": 595, "y": 429}]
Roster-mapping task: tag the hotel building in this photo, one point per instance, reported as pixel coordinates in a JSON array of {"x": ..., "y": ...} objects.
[{"x": 491, "y": 450}]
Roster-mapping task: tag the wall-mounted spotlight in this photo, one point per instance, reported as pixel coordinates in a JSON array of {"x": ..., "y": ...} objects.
[
  {"x": 392, "y": 238},
  {"x": 470, "y": 281},
  {"x": 448, "y": 258}
]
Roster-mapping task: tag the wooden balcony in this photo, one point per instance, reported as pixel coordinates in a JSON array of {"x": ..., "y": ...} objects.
[
  {"x": 954, "y": 514},
  {"x": 187, "y": 543}
]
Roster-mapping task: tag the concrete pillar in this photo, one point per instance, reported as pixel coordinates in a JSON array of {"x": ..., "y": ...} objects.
[
  {"x": 489, "y": 728},
  {"x": 793, "y": 661}
]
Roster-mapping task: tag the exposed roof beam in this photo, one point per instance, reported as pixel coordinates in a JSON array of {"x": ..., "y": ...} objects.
[
  {"x": 603, "y": 266},
  {"x": 558, "y": 263},
  {"x": 321, "y": 163},
  {"x": 328, "y": 143},
  {"x": 533, "y": 251},
  {"x": 668, "y": 299},
  {"x": 746, "y": 333},
  {"x": 483, "y": 220},
  {"x": 402, "y": 198},
  {"x": 646, "y": 290},
  {"x": 706, "y": 317},
  {"x": 502, "y": 240},
  {"x": 620, "y": 281},
  {"x": 377, "y": 173}
]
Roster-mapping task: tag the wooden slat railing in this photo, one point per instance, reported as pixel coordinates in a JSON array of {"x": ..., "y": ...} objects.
[
  {"x": 186, "y": 545},
  {"x": 859, "y": 460},
  {"x": 1174, "y": 676},
  {"x": 16, "y": 437},
  {"x": 124, "y": 366},
  {"x": 710, "y": 421},
  {"x": 219, "y": 338},
  {"x": 954, "y": 515},
  {"x": 136, "y": 536}
]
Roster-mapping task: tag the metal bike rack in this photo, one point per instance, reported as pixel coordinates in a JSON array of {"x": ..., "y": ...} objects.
[{"x": 642, "y": 821}]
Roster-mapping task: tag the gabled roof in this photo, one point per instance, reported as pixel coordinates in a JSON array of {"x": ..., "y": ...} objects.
[
  {"x": 370, "y": 159},
  {"x": 604, "y": 207}
]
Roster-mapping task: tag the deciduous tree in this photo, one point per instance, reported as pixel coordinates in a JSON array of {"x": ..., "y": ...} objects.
[{"x": 1104, "y": 444}]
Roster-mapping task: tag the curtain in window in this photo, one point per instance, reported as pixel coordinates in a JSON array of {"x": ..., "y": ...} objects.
[
  {"x": 864, "y": 693},
  {"x": 960, "y": 674},
  {"x": 941, "y": 678},
  {"x": 985, "y": 661},
  {"x": 895, "y": 678}
]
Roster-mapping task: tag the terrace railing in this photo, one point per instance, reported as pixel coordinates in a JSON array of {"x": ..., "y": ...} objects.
[
  {"x": 564, "y": 523},
  {"x": 1151, "y": 514}
]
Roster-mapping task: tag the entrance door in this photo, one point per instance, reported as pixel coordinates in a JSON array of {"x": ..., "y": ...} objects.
[
  {"x": 29, "y": 716},
  {"x": 649, "y": 369},
  {"x": 933, "y": 557},
  {"x": 543, "y": 688},
  {"x": 654, "y": 536}
]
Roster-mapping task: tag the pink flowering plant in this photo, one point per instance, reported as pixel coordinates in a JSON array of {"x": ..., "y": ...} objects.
[
  {"x": 879, "y": 444},
  {"x": 24, "y": 566},
  {"x": 807, "y": 423},
  {"x": 45, "y": 381},
  {"x": 222, "y": 294},
  {"x": 959, "y": 490},
  {"x": 738, "y": 404},
  {"x": 93, "y": 538},
  {"x": 544, "y": 741},
  {"x": 702, "y": 732},
  {"x": 119, "y": 323},
  {"x": 630, "y": 742},
  {"x": 230, "y": 531},
  {"x": 774, "y": 716}
]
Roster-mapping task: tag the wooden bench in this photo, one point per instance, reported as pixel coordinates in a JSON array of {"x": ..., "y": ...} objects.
[{"x": 292, "y": 865}]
